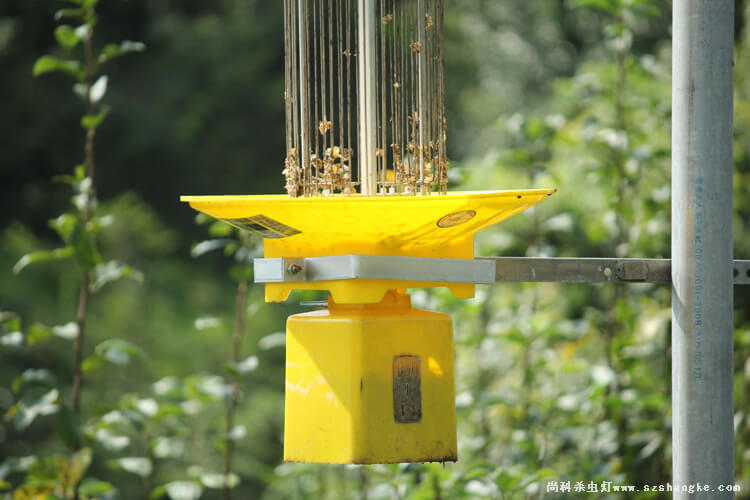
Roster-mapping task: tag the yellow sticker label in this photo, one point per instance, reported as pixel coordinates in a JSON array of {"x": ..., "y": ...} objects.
[{"x": 263, "y": 226}]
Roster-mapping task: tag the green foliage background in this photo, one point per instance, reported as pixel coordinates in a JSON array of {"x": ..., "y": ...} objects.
[{"x": 554, "y": 382}]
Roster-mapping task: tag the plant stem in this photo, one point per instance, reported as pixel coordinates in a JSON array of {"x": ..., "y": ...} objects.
[
  {"x": 436, "y": 491},
  {"x": 239, "y": 328},
  {"x": 148, "y": 482},
  {"x": 90, "y": 68},
  {"x": 363, "y": 480},
  {"x": 83, "y": 300}
]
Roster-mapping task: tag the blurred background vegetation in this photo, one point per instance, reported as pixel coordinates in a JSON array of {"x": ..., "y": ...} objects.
[{"x": 554, "y": 382}]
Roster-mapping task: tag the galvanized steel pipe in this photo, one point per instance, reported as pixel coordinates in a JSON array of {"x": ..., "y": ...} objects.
[{"x": 702, "y": 301}]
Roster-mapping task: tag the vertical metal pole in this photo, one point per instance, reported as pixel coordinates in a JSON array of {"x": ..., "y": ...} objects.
[
  {"x": 702, "y": 301},
  {"x": 366, "y": 59}
]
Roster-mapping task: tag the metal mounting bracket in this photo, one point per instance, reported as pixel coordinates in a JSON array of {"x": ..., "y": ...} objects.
[
  {"x": 377, "y": 267},
  {"x": 483, "y": 270}
]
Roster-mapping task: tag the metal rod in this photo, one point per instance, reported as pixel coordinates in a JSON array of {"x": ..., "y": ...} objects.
[
  {"x": 302, "y": 34},
  {"x": 581, "y": 270},
  {"x": 366, "y": 98},
  {"x": 595, "y": 270},
  {"x": 480, "y": 270},
  {"x": 702, "y": 301},
  {"x": 422, "y": 91}
]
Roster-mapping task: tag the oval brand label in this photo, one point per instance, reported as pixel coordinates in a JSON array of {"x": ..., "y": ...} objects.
[{"x": 456, "y": 218}]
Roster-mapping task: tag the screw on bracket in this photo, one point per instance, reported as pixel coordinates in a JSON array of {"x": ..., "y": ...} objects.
[{"x": 293, "y": 269}]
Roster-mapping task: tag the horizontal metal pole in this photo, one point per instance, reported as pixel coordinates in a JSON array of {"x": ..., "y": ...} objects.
[
  {"x": 378, "y": 267},
  {"x": 482, "y": 270},
  {"x": 595, "y": 270},
  {"x": 581, "y": 270}
]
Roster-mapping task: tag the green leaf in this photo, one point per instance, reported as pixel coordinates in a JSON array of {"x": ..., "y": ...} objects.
[
  {"x": 96, "y": 488},
  {"x": 84, "y": 251},
  {"x": 183, "y": 490},
  {"x": 98, "y": 89},
  {"x": 85, "y": 4},
  {"x": 69, "y": 427},
  {"x": 39, "y": 333},
  {"x": 240, "y": 272},
  {"x": 216, "y": 481},
  {"x": 202, "y": 219},
  {"x": 207, "y": 246},
  {"x": 32, "y": 406},
  {"x": 10, "y": 321},
  {"x": 220, "y": 229},
  {"x": 42, "y": 256},
  {"x": 96, "y": 224},
  {"x": 65, "y": 179},
  {"x": 507, "y": 481},
  {"x": 66, "y": 36},
  {"x": 605, "y": 5},
  {"x": 19, "y": 464},
  {"x": 159, "y": 492},
  {"x": 113, "y": 271},
  {"x": 277, "y": 339},
  {"x": 167, "y": 410},
  {"x": 77, "y": 13},
  {"x": 207, "y": 322},
  {"x": 80, "y": 172},
  {"x": 79, "y": 464},
  {"x": 112, "y": 51},
  {"x": 93, "y": 121},
  {"x": 12, "y": 339},
  {"x": 68, "y": 331},
  {"x": 148, "y": 406},
  {"x": 119, "y": 351},
  {"x": 116, "y": 351},
  {"x": 207, "y": 387},
  {"x": 112, "y": 441},
  {"x": 231, "y": 369},
  {"x": 237, "y": 432},
  {"x": 140, "y": 466},
  {"x": 248, "y": 365},
  {"x": 231, "y": 248},
  {"x": 38, "y": 376},
  {"x": 92, "y": 363},
  {"x": 48, "y": 64},
  {"x": 83, "y": 31},
  {"x": 164, "y": 447},
  {"x": 539, "y": 475},
  {"x": 168, "y": 386},
  {"x": 64, "y": 225}
]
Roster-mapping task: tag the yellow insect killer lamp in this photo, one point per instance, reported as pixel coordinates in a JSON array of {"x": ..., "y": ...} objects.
[{"x": 366, "y": 216}]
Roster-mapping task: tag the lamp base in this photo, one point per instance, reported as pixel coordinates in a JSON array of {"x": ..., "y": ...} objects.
[{"x": 369, "y": 384}]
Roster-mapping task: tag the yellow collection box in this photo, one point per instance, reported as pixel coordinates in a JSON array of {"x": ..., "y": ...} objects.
[{"x": 370, "y": 384}]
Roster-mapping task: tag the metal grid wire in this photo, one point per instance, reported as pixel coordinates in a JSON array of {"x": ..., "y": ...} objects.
[{"x": 365, "y": 97}]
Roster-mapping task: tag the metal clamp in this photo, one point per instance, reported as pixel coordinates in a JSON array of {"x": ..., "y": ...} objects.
[{"x": 375, "y": 267}]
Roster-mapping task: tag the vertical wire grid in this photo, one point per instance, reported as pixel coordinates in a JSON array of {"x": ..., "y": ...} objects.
[{"x": 323, "y": 87}]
